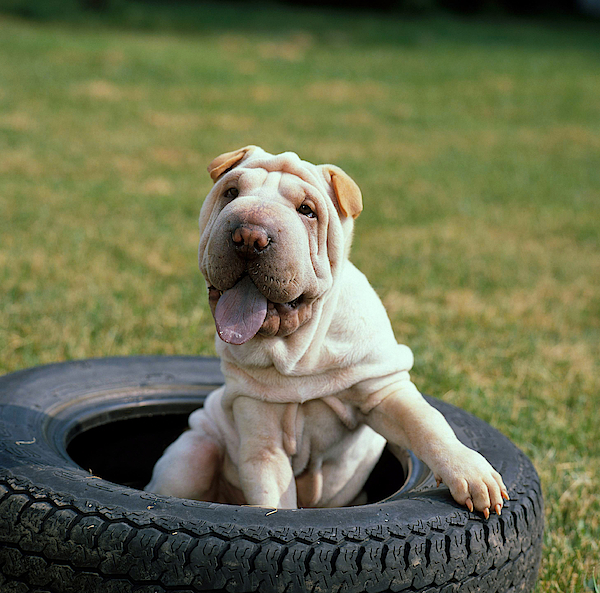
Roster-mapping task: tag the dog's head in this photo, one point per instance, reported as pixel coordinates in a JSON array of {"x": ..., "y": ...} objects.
[{"x": 274, "y": 232}]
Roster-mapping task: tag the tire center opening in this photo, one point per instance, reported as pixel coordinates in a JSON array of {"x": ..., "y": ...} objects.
[{"x": 124, "y": 451}]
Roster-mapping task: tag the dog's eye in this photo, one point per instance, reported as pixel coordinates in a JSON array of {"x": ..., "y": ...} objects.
[
  {"x": 307, "y": 211},
  {"x": 232, "y": 193}
]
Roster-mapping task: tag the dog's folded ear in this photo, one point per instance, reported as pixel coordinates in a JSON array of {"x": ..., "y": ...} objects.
[
  {"x": 227, "y": 161},
  {"x": 347, "y": 193}
]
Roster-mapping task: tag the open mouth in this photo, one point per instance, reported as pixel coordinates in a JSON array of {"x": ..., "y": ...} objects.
[
  {"x": 215, "y": 294},
  {"x": 242, "y": 312}
]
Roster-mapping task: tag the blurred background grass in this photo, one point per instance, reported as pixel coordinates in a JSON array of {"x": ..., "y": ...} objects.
[{"x": 476, "y": 143}]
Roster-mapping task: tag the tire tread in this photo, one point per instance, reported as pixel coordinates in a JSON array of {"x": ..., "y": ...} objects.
[{"x": 65, "y": 531}]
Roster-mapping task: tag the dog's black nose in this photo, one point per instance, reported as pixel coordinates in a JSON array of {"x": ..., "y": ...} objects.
[{"x": 250, "y": 240}]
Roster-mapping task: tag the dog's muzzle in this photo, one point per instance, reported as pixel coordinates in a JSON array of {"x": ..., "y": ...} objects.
[{"x": 254, "y": 288}]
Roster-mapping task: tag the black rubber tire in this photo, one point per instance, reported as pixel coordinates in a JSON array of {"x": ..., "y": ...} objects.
[{"x": 64, "y": 530}]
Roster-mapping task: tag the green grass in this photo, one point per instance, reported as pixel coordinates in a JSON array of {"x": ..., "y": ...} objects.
[{"x": 476, "y": 144}]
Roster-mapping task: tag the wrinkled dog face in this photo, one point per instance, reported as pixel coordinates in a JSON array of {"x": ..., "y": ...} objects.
[{"x": 264, "y": 241}]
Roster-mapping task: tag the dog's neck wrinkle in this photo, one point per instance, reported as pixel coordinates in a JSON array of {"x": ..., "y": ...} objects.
[{"x": 302, "y": 357}]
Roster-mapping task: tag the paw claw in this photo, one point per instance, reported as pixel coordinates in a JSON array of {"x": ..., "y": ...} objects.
[{"x": 473, "y": 482}]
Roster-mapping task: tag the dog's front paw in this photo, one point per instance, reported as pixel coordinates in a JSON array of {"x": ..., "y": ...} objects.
[{"x": 473, "y": 482}]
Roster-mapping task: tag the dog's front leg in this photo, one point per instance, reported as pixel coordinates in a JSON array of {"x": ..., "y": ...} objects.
[
  {"x": 406, "y": 419},
  {"x": 265, "y": 469}
]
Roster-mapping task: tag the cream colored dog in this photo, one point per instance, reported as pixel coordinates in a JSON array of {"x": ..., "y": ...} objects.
[{"x": 315, "y": 381}]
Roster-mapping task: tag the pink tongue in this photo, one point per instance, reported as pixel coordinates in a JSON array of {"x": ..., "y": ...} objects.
[{"x": 240, "y": 312}]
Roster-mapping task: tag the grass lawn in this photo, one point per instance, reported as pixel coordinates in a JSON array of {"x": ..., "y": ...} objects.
[{"x": 476, "y": 145}]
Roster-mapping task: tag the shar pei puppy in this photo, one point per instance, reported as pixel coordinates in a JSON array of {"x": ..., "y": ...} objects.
[{"x": 315, "y": 382}]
